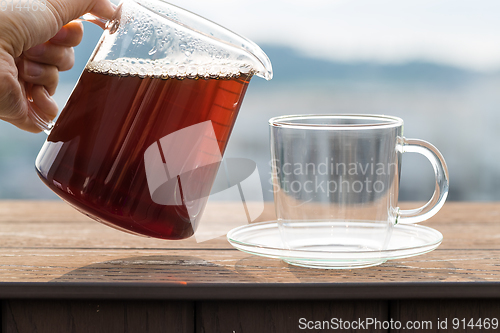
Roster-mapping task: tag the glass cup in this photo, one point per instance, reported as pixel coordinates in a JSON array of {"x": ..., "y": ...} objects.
[{"x": 336, "y": 181}]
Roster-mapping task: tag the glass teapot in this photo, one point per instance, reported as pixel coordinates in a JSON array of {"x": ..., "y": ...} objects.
[{"x": 139, "y": 142}]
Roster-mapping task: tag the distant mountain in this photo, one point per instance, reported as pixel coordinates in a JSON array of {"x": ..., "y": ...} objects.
[{"x": 289, "y": 65}]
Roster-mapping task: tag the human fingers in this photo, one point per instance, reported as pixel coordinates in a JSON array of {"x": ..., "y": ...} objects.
[
  {"x": 70, "y": 35},
  {"x": 20, "y": 100},
  {"x": 42, "y": 104},
  {"x": 13, "y": 103},
  {"x": 62, "y": 57},
  {"x": 69, "y": 10},
  {"x": 21, "y": 30},
  {"x": 103, "y": 8},
  {"x": 39, "y": 74}
]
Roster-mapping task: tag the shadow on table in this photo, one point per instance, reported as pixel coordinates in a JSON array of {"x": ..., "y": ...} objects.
[
  {"x": 158, "y": 268},
  {"x": 412, "y": 269},
  {"x": 189, "y": 269}
]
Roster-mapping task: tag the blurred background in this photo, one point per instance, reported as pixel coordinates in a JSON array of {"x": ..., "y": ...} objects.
[{"x": 434, "y": 63}]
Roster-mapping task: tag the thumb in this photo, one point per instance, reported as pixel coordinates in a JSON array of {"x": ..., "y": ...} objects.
[
  {"x": 68, "y": 10},
  {"x": 21, "y": 30}
]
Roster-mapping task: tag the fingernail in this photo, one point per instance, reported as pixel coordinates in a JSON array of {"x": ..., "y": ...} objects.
[
  {"x": 32, "y": 68},
  {"x": 36, "y": 51}
]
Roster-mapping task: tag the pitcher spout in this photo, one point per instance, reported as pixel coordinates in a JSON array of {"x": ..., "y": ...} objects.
[{"x": 262, "y": 65}]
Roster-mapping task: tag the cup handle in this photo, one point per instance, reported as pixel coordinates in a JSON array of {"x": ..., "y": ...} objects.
[{"x": 442, "y": 181}]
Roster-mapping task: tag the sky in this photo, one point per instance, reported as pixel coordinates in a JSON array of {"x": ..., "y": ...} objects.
[{"x": 463, "y": 33}]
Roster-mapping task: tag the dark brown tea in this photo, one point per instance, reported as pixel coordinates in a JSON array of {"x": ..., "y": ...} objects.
[{"x": 94, "y": 156}]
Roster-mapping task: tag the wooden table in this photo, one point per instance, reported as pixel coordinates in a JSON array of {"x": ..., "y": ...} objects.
[{"x": 61, "y": 272}]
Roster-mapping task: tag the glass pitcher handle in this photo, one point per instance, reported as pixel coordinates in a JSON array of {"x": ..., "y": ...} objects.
[
  {"x": 93, "y": 19},
  {"x": 43, "y": 124},
  {"x": 442, "y": 181}
]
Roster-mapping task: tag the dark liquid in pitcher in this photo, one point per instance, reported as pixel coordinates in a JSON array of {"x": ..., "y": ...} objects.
[{"x": 97, "y": 147}]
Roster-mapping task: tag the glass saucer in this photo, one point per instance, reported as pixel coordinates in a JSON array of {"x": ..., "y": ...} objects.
[{"x": 264, "y": 239}]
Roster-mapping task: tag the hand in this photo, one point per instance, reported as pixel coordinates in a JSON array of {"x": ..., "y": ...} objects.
[{"x": 34, "y": 47}]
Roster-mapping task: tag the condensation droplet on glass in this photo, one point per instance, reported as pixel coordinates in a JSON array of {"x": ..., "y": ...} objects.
[{"x": 152, "y": 51}]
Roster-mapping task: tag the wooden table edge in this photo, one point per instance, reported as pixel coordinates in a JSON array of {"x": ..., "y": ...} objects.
[{"x": 248, "y": 291}]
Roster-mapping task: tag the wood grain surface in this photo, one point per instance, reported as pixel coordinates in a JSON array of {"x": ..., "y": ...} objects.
[
  {"x": 62, "y": 272},
  {"x": 44, "y": 242}
]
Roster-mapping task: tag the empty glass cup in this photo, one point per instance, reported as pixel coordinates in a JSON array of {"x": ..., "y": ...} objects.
[{"x": 336, "y": 182}]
